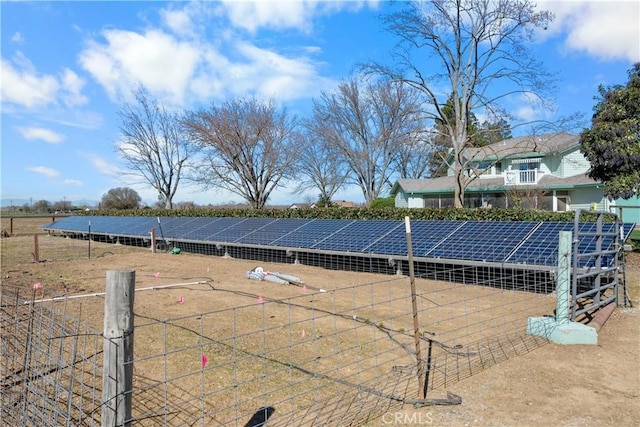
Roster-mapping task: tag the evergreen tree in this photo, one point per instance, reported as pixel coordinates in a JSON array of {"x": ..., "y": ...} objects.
[{"x": 612, "y": 145}]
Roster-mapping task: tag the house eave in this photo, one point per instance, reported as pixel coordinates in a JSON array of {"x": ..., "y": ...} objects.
[{"x": 495, "y": 188}]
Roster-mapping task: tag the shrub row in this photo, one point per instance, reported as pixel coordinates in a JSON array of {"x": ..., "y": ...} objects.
[{"x": 360, "y": 213}]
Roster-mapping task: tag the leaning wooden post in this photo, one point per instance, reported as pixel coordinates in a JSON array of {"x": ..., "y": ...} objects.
[
  {"x": 416, "y": 325},
  {"x": 117, "y": 380},
  {"x": 36, "y": 249}
]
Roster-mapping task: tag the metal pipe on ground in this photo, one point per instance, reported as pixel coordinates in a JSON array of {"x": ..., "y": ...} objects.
[{"x": 602, "y": 316}]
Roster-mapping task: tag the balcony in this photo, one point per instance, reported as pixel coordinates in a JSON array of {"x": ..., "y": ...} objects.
[{"x": 523, "y": 177}]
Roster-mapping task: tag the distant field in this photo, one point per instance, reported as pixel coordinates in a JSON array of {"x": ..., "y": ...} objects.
[{"x": 21, "y": 225}]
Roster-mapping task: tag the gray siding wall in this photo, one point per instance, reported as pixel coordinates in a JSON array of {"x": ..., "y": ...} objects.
[
  {"x": 401, "y": 200},
  {"x": 573, "y": 163}
]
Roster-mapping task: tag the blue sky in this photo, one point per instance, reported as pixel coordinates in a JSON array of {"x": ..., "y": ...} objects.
[{"x": 65, "y": 65}]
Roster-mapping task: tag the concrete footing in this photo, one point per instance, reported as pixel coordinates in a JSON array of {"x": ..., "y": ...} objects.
[{"x": 562, "y": 331}]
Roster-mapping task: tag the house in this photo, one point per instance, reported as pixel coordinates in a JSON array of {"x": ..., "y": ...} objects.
[{"x": 538, "y": 172}]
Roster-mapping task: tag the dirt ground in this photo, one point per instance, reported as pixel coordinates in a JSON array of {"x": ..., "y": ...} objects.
[{"x": 553, "y": 385}]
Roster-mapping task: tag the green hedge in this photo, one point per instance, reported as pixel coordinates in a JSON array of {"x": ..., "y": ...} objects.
[{"x": 360, "y": 213}]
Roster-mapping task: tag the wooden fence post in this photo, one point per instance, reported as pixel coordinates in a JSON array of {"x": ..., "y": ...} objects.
[
  {"x": 422, "y": 384},
  {"x": 117, "y": 380},
  {"x": 36, "y": 249},
  {"x": 153, "y": 240}
]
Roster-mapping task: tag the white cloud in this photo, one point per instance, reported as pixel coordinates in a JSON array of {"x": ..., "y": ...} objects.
[
  {"x": 17, "y": 38},
  {"x": 279, "y": 15},
  {"x": 22, "y": 85},
  {"x": 101, "y": 165},
  {"x": 605, "y": 30},
  {"x": 41, "y": 133},
  {"x": 272, "y": 14},
  {"x": 188, "y": 19},
  {"x": 154, "y": 59},
  {"x": 72, "y": 86},
  {"x": 273, "y": 75},
  {"x": 179, "y": 21},
  {"x": 179, "y": 71},
  {"x": 43, "y": 170},
  {"x": 527, "y": 107}
]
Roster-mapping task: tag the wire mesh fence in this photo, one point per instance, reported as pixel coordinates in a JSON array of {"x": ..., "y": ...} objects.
[
  {"x": 50, "y": 366},
  {"x": 340, "y": 356}
]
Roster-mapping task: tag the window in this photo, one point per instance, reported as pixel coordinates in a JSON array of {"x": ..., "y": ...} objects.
[
  {"x": 431, "y": 202},
  {"x": 528, "y": 172},
  {"x": 472, "y": 200}
]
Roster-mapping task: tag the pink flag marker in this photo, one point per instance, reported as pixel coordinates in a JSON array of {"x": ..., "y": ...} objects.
[
  {"x": 303, "y": 334},
  {"x": 157, "y": 275},
  {"x": 304, "y": 288},
  {"x": 180, "y": 299},
  {"x": 260, "y": 300},
  {"x": 204, "y": 360},
  {"x": 37, "y": 285}
]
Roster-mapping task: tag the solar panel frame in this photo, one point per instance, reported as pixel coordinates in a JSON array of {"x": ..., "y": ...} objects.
[
  {"x": 485, "y": 241},
  {"x": 234, "y": 232},
  {"x": 313, "y": 232},
  {"x": 358, "y": 235},
  {"x": 541, "y": 247},
  {"x": 424, "y": 235},
  {"x": 200, "y": 229},
  {"x": 270, "y": 233}
]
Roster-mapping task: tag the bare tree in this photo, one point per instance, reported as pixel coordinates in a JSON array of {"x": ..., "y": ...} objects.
[
  {"x": 366, "y": 123},
  {"x": 320, "y": 166},
  {"x": 476, "y": 45},
  {"x": 249, "y": 147},
  {"x": 153, "y": 145},
  {"x": 412, "y": 157}
]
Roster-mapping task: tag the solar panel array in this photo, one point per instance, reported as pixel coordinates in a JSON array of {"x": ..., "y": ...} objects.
[{"x": 522, "y": 242}]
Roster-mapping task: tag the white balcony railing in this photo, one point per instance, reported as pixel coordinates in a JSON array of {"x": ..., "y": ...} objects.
[{"x": 524, "y": 177}]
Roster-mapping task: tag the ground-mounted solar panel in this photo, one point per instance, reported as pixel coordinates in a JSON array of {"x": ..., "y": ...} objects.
[
  {"x": 312, "y": 233},
  {"x": 269, "y": 233},
  {"x": 484, "y": 241},
  {"x": 541, "y": 247},
  {"x": 174, "y": 227},
  {"x": 212, "y": 231},
  {"x": 424, "y": 236},
  {"x": 534, "y": 243},
  {"x": 101, "y": 224},
  {"x": 199, "y": 229},
  {"x": 137, "y": 226},
  {"x": 241, "y": 228},
  {"x": 70, "y": 224},
  {"x": 356, "y": 236}
]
